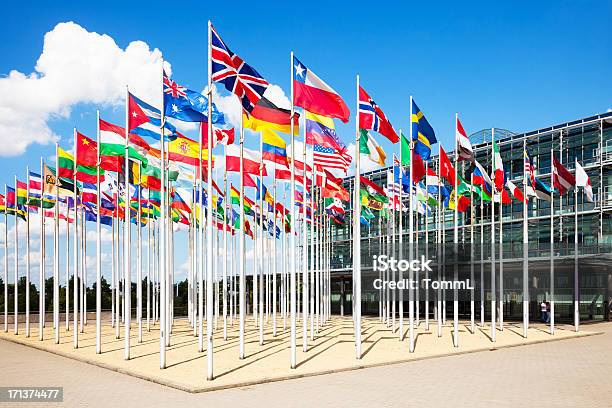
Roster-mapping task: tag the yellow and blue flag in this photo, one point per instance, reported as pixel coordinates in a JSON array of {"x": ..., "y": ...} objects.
[{"x": 422, "y": 133}]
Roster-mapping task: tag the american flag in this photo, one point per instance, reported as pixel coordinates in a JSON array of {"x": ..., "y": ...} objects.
[
  {"x": 529, "y": 169},
  {"x": 326, "y": 157},
  {"x": 237, "y": 76}
]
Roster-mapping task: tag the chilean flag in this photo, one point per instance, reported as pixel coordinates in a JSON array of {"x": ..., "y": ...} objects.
[{"x": 314, "y": 95}]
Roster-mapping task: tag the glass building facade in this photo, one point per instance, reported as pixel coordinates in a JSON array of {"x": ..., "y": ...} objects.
[{"x": 589, "y": 141}]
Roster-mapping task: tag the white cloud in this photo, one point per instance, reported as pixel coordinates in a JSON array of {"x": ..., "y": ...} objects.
[{"x": 75, "y": 66}]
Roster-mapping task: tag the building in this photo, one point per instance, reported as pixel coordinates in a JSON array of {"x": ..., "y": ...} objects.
[{"x": 587, "y": 140}]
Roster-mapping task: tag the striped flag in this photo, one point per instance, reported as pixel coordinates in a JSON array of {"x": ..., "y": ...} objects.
[
  {"x": 563, "y": 180},
  {"x": 583, "y": 180},
  {"x": 330, "y": 158}
]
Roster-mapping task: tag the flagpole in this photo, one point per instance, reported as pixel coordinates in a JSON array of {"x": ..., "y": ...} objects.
[
  {"x": 260, "y": 248},
  {"x": 305, "y": 286},
  {"x": 292, "y": 251},
  {"x": 127, "y": 287},
  {"x": 242, "y": 247},
  {"x": 313, "y": 229},
  {"x": 426, "y": 247},
  {"x": 456, "y": 246},
  {"x": 401, "y": 234},
  {"x": 162, "y": 234},
  {"x": 67, "y": 271},
  {"x": 209, "y": 216},
  {"x": 75, "y": 242},
  {"x": 139, "y": 256},
  {"x": 357, "y": 238},
  {"x": 440, "y": 213},
  {"x": 56, "y": 313},
  {"x": 98, "y": 243},
  {"x": 149, "y": 221},
  {"x": 525, "y": 248},
  {"x": 6, "y": 256},
  {"x": 482, "y": 307},
  {"x": 225, "y": 255},
  {"x": 501, "y": 263},
  {"x": 472, "y": 215},
  {"x": 576, "y": 281},
  {"x": 410, "y": 239},
  {"x": 552, "y": 244},
  {"x": 274, "y": 250},
  {"x": 200, "y": 244},
  {"x": 16, "y": 260},
  {"x": 27, "y": 275},
  {"x": 493, "y": 188}
]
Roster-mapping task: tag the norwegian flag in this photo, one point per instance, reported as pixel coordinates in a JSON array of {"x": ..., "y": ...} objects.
[
  {"x": 237, "y": 76},
  {"x": 371, "y": 117}
]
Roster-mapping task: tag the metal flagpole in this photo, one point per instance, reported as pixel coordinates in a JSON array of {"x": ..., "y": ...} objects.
[
  {"x": 209, "y": 217},
  {"x": 67, "y": 271},
  {"x": 27, "y": 274},
  {"x": 400, "y": 238},
  {"x": 482, "y": 307},
  {"x": 149, "y": 221},
  {"x": 357, "y": 238},
  {"x": 313, "y": 226},
  {"x": 260, "y": 248},
  {"x": 292, "y": 250},
  {"x": 456, "y": 246},
  {"x": 305, "y": 286},
  {"x": 75, "y": 242},
  {"x": 275, "y": 263},
  {"x": 410, "y": 241},
  {"x": 242, "y": 247},
  {"x": 552, "y": 245},
  {"x": 426, "y": 249},
  {"x": 472, "y": 214},
  {"x": 576, "y": 281},
  {"x": 6, "y": 259},
  {"x": 525, "y": 248},
  {"x": 127, "y": 287},
  {"x": 225, "y": 255},
  {"x": 440, "y": 212},
  {"x": 139, "y": 258},
  {"x": 16, "y": 260},
  {"x": 493, "y": 188},
  {"x": 200, "y": 244},
  {"x": 162, "y": 271},
  {"x": 56, "y": 234},
  {"x": 501, "y": 264},
  {"x": 98, "y": 243}
]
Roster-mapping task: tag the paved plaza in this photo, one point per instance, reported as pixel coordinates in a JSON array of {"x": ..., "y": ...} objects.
[{"x": 426, "y": 379}]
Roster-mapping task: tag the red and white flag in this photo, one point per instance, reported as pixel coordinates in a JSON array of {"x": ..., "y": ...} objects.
[
  {"x": 516, "y": 192},
  {"x": 583, "y": 180},
  {"x": 563, "y": 180},
  {"x": 464, "y": 146},
  {"x": 251, "y": 160}
]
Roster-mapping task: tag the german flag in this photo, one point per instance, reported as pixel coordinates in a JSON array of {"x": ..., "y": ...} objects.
[{"x": 267, "y": 115}]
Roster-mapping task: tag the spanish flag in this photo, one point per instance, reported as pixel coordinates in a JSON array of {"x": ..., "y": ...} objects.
[
  {"x": 267, "y": 115},
  {"x": 185, "y": 150}
]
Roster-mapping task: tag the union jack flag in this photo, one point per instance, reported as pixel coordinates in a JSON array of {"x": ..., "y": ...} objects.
[
  {"x": 172, "y": 88},
  {"x": 237, "y": 76}
]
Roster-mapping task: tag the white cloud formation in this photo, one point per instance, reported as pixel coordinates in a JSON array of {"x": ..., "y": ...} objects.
[{"x": 75, "y": 66}]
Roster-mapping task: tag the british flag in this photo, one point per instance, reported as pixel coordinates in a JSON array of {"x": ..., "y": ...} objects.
[{"x": 237, "y": 76}]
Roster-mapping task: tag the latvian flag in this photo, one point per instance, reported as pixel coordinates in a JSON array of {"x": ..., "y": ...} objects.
[
  {"x": 464, "y": 146},
  {"x": 563, "y": 180}
]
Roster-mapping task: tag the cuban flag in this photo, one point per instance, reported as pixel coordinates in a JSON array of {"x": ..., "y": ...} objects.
[
  {"x": 314, "y": 95},
  {"x": 144, "y": 120}
]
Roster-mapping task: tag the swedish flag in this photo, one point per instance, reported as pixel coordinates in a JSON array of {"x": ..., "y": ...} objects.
[{"x": 422, "y": 133}]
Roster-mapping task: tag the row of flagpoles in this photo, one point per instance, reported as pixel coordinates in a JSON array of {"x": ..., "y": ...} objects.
[{"x": 120, "y": 178}]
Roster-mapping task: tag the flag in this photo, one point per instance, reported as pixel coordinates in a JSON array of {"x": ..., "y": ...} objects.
[
  {"x": 89, "y": 193},
  {"x": 516, "y": 192},
  {"x": 314, "y": 95},
  {"x": 22, "y": 193},
  {"x": 418, "y": 167},
  {"x": 187, "y": 105},
  {"x": 237, "y": 76},
  {"x": 145, "y": 121},
  {"x": 498, "y": 168},
  {"x": 368, "y": 146},
  {"x": 185, "y": 150},
  {"x": 266, "y": 115},
  {"x": 447, "y": 170},
  {"x": 225, "y": 136},
  {"x": 541, "y": 190},
  {"x": 330, "y": 158},
  {"x": 563, "y": 180},
  {"x": 373, "y": 190},
  {"x": 529, "y": 169},
  {"x": 422, "y": 133},
  {"x": 464, "y": 146},
  {"x": 274, "y": 148},
  {"x": 371, "y": 117},
  {"x": 38, "y": 192},
  {"x": 481, "y": 178},
  {"x": 112, "y": 144},
  {"x": 583, "y": 180},
  {"x": 321, "y": 130},
  {"x": 251, "y": 160}
]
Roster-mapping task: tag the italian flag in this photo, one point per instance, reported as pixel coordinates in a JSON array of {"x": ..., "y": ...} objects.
[
  {"x": 498, "y": 168},
  {"x": 367, "y": 145}
]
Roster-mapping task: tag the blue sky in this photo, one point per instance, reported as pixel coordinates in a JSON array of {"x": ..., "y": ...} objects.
[{"x": 519, "y": 65}]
